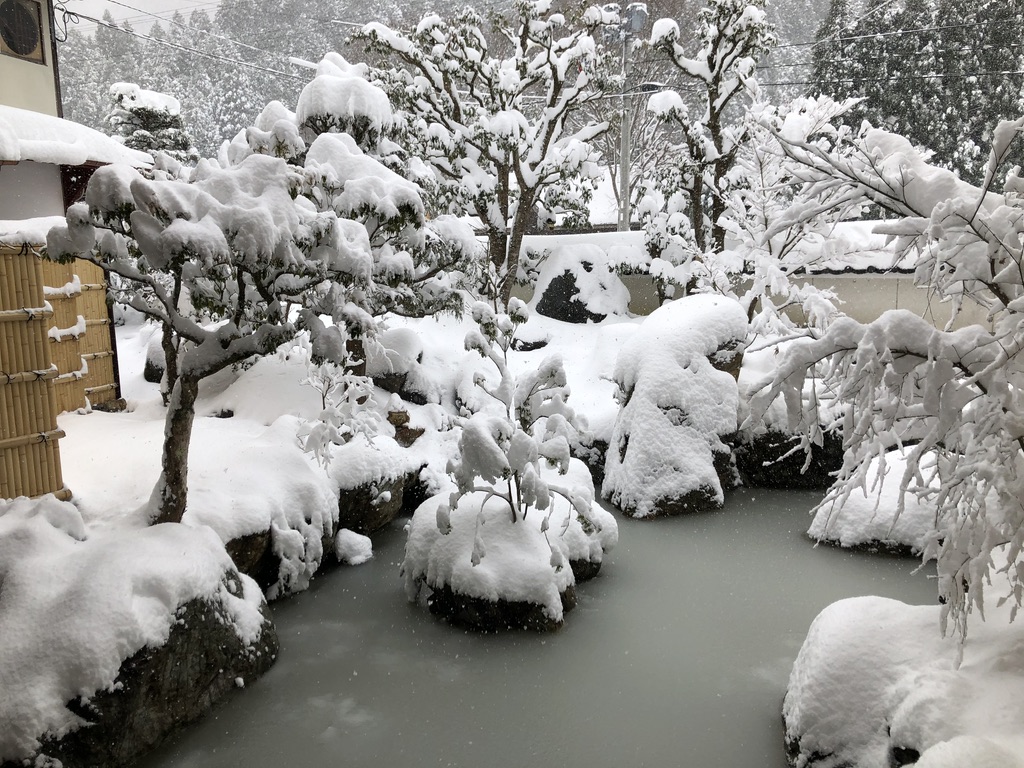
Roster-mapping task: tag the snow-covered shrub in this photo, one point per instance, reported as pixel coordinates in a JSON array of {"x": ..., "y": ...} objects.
[
  {"x": 666, "y": 454},
  {"x": 521, "y": 510}
]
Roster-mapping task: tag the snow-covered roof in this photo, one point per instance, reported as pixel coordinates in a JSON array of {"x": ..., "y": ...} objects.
[
  {"x": 26, "y": 135},
  {"x": 31, "y": 231}
]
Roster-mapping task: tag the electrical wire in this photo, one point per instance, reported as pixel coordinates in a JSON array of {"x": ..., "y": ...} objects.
[{"x": 194, "y": 51}]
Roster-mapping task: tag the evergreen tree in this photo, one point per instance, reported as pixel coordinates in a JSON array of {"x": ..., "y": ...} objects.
[
  {"x": 150, "y": 122},
  {"x": 941, "y": 72}
]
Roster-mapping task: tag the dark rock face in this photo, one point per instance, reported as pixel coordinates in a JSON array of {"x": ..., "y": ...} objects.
[
  {"x": 398, "y": 383},
  {"x": 763, "y": 461},
  {"x": 490, "y": 616},
  {"x": 153, "y": 371},
  {"x": 584, "y": 570},
  {"x": 560, "y": 301},
  {"x": 254, "y": 556},
  {"x": 159, "y": 690},
  {"x": 369, "y": 508}
]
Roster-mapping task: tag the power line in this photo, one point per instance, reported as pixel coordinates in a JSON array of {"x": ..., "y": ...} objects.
[
  {"x": 901, "y": 78},
  {"x": 895, "y": 33},
  {"x": 143, "y": 15},
  {"x": 214, "y": 56},
  {"x": 195, "y": 29}
]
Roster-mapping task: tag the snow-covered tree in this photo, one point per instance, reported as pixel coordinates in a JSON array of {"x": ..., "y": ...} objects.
[
  {"x": 954, "y": 395},
  {"x": 501, "y": 449},
  {"x": 940, "y": 72},
  {"x": 695, "y": 193},
  {"x": 218, "y": 259},
  {"x": 150, "y": 122},
  {"x": 776, "y": 224},
  {"x": 489, "y": 118}
]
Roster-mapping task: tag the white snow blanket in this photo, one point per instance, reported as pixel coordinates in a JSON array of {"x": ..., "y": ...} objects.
[
  {"x": 876, "y": 674},
  {"x": 73, "y": 607},
  {"x": 868, "y": 515}
]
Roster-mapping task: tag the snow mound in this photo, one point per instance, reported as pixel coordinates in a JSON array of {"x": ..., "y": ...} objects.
[
  {"x": 875, "y": 678},
  {"x": 676, "y": 406},
  {"x": 352, "y": 548},
  {"x": 869, "y": 517},
  {"x": 72, "y": 609}
]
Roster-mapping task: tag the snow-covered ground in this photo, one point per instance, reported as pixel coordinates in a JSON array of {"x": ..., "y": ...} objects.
[{"x": 867, "y": 666}]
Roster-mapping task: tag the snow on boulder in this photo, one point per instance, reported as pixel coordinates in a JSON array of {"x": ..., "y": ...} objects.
[
  {"x": 867, "y": 516},
  {"x": 679, "y": 398},
  {"x": 396, "y": 365},
  {"x": 577, "y": 285},
  {"x": 352, "y": 548},
  {"x": 876, "y": 685},
  {"x": 487, "y": 572},
  {"x": 73, "y": 609},
  {"x": 585, "y": 540}
]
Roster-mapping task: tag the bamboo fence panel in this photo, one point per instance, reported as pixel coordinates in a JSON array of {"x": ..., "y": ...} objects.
[
  {"x": 29, "y": 455},
  {"x": 83, "y": 349}
]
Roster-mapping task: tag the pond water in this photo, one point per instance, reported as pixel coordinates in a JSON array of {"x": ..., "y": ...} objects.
[{"x": 677, "y": 655}]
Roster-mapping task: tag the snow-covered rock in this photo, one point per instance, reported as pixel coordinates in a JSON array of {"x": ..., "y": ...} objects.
[
  {"x": 867, "y": 517},
  {"x": 876, "y": 685},
  {"x": 666, "y": 455},
  {"x": 352, "y": 548},
  {"x": 577, "y": 285},
  {"x": 130, "y": 632},
  {"x": 488, "y": 572}
]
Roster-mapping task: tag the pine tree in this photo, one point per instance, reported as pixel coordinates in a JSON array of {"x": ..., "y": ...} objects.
[{"x": 150, "y": 122}]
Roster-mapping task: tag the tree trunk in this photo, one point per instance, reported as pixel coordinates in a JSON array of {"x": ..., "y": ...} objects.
[
  {"x": 515, "y": 245},
  {"x": 169, "y": 344},
  {"x": 171, "y": 492}
]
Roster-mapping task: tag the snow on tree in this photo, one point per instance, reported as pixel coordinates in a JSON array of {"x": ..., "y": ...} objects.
[
  {"x": 940, "y": 72},
  {"x": 150, "y": 122},
  {"x": 490, "y": 120},
  {"x": 955, "y": 396},
  {"x": 218, "y": 259},
  {"x": 731, "y": 35},
  {"x": 521, "y": 516}
]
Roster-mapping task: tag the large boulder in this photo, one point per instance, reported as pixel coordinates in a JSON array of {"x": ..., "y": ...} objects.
[
  {"x": 869, "y": 516},
  {"x": 577, "y": 285},
  {"x": 677, "y": 385},
  {"x": 111, "y": 642}
]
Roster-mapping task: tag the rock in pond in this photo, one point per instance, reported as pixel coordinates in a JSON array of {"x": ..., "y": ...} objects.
[{"x": 677, "y": 385}]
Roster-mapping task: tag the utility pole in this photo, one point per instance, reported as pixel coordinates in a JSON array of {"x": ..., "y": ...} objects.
[{"x": 629, "y": 24}]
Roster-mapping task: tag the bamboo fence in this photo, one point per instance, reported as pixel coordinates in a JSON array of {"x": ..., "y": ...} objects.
[
  {"x": 82, "y": 347},
  {"x": 29, "y": 455}
]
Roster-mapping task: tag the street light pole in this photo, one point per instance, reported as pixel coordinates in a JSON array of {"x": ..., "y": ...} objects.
[{"x": 634, "y": 20}]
